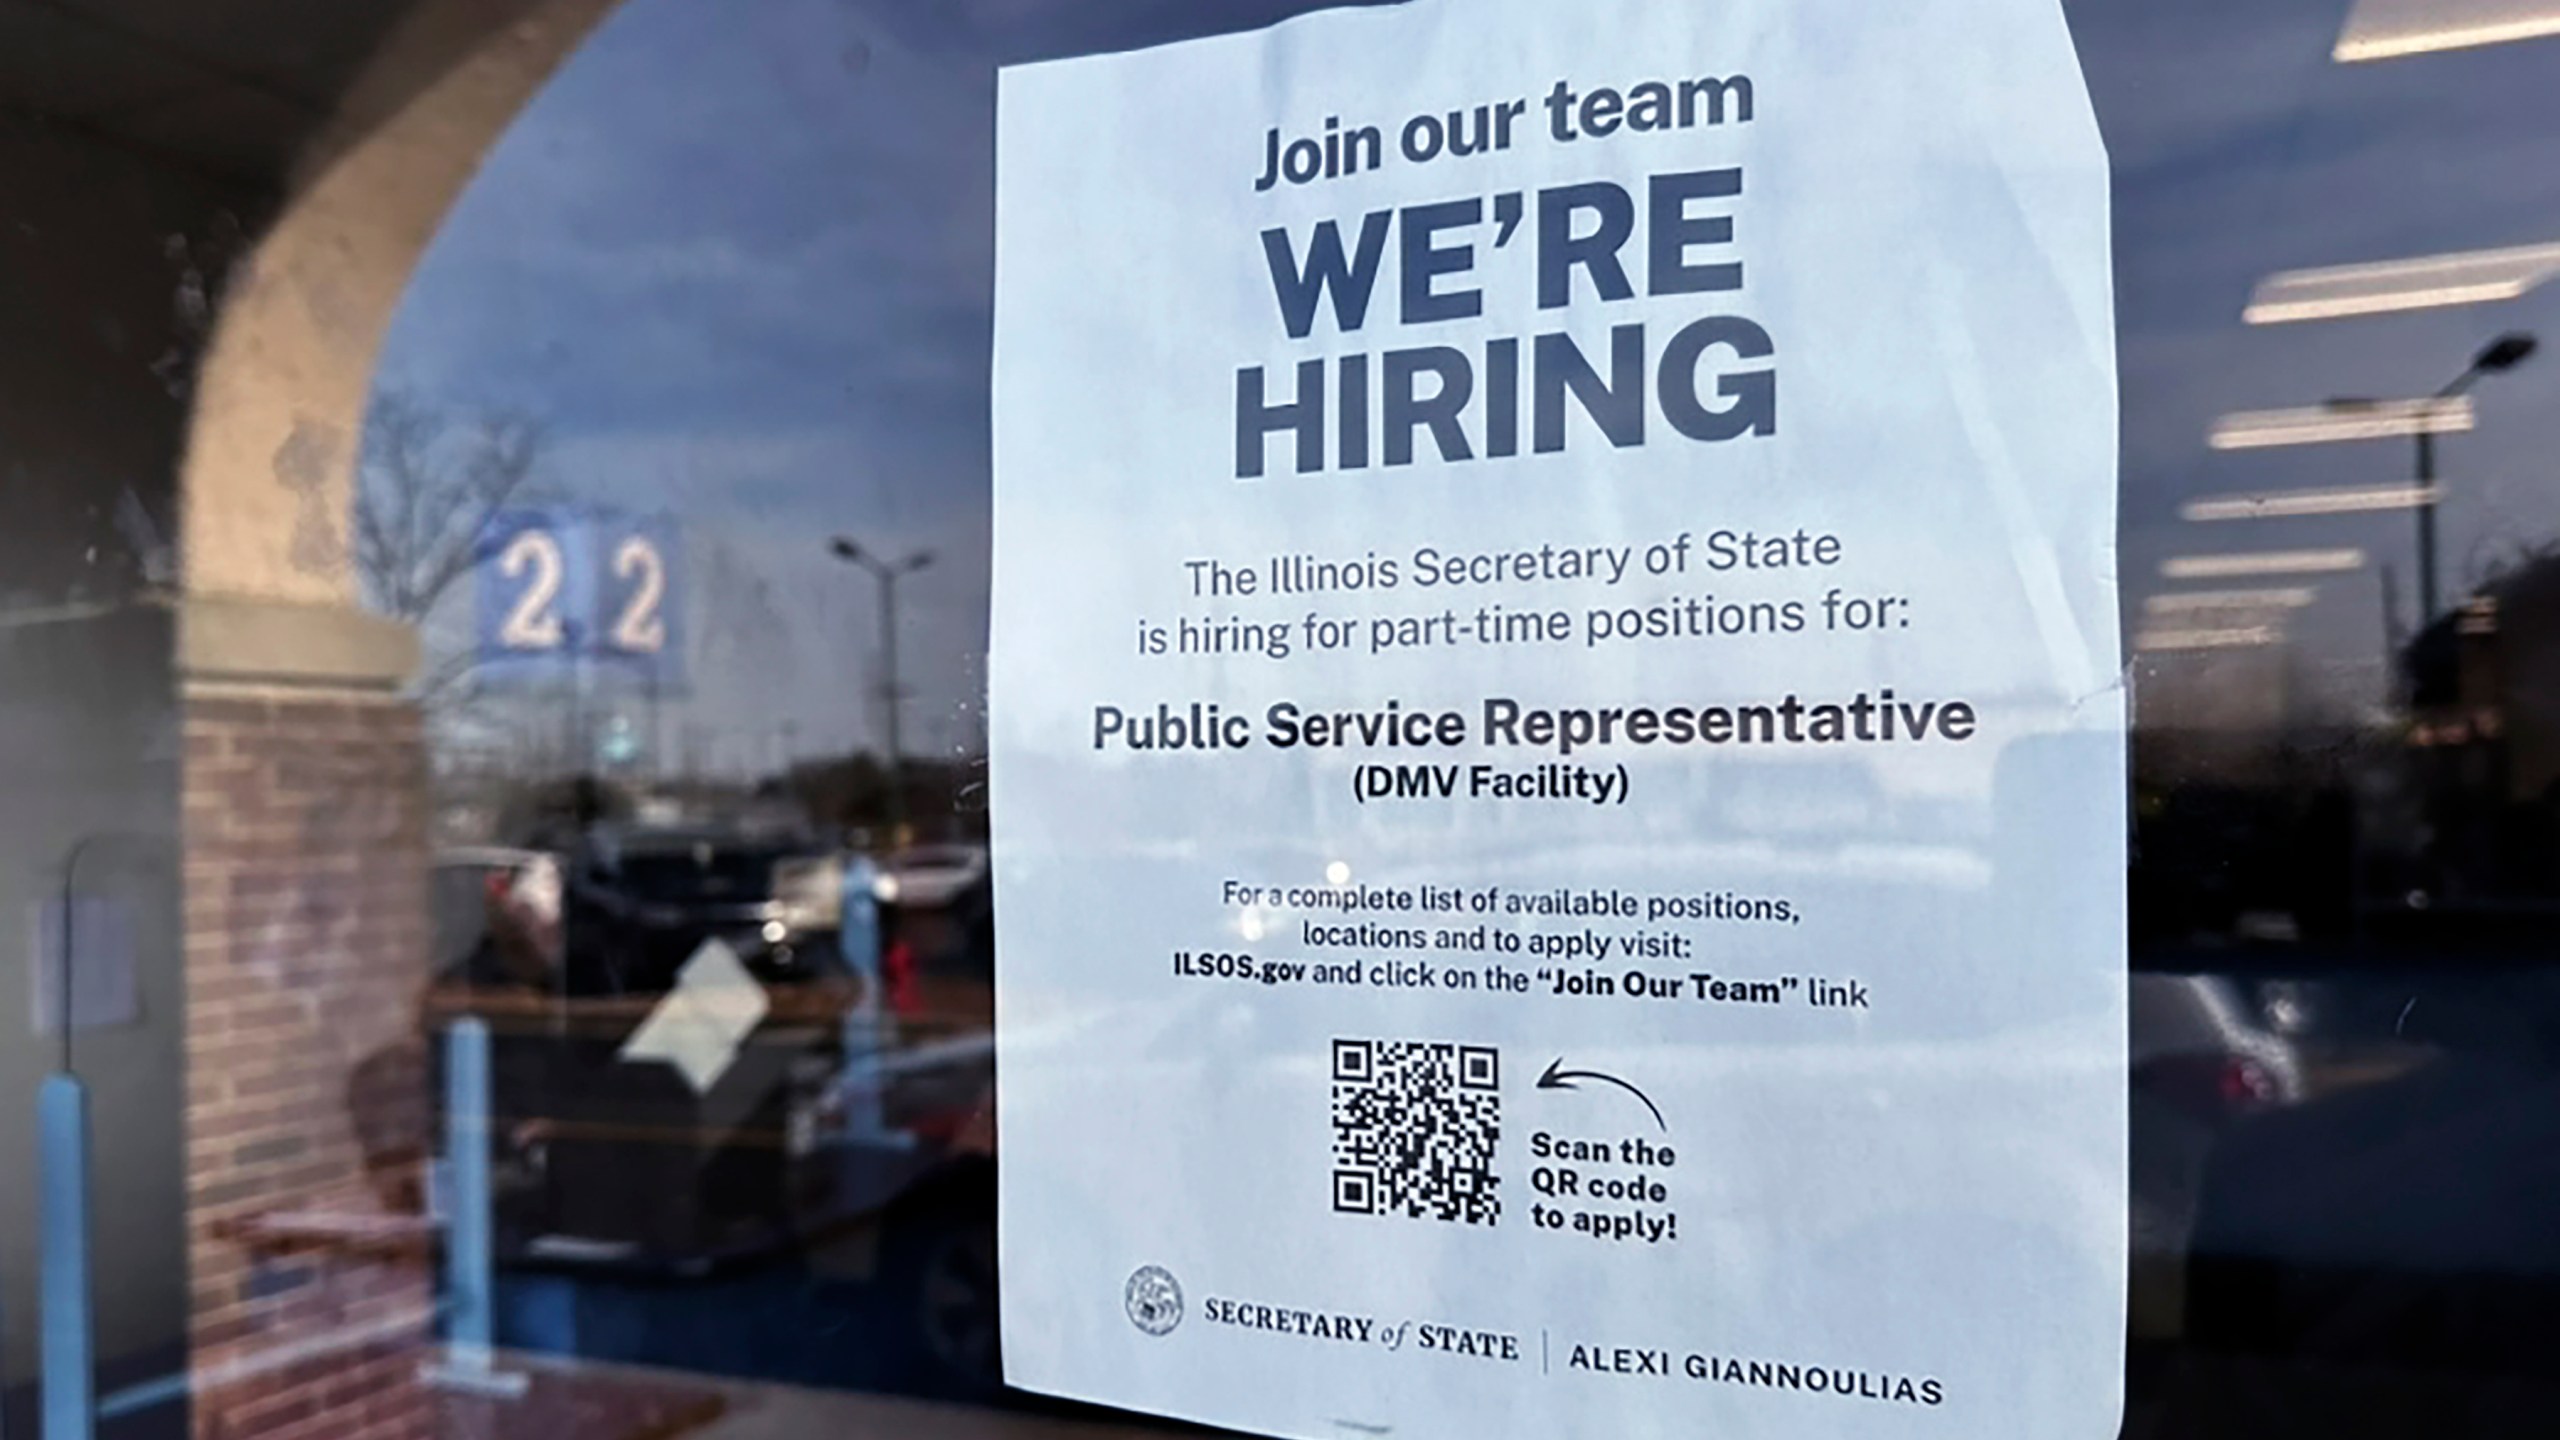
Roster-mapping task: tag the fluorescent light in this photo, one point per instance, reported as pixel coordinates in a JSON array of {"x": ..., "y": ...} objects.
[
  {"x": 2233, "y": 638},
  {"x": 2285, "y": 504},
  {"x": 2195, "y": 601},
  {"x": 2264, "y": 562},
  {"x": 2316, "y": 424},
  {"x": 2385, "y": 29},
  {"x": 2420, "y": 283}
]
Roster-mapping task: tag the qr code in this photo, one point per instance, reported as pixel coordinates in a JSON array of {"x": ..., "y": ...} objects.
[{"x": 1414, "y": 1128}]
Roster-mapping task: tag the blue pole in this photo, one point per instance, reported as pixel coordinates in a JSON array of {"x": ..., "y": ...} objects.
[
  {"x": 468, "y": 1241},
  {"x": 867, "y": 1028},
  {"x": 470, "y": 1246},
  {"x": 62, "y": 1110}
]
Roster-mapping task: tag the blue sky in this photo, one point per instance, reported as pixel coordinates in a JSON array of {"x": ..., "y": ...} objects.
[
  {"x": 738, "y": 263},
  {"x": 737, "y": 259}
]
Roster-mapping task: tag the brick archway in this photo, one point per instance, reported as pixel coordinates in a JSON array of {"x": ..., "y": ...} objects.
[{"x": 303, "y": 779}]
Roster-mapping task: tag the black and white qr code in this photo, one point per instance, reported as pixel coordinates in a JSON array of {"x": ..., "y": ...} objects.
[{"x": 1415, "y": 1123}]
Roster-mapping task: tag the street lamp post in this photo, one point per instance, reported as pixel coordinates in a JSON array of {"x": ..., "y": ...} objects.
[
  {"x": 888, "y": 573},
  {"x": 2502, "y": 354}
]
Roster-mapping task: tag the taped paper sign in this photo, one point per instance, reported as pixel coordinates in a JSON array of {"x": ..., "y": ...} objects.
[{"x": 1558, "y": 759}]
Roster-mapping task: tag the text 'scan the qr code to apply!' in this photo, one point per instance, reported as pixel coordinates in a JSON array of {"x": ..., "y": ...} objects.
[{"x": 1556, "y": 741}]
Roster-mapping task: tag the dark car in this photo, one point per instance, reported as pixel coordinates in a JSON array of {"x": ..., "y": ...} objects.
[
  {"x": 643, "y": 903},
  {"x": 630, "y": 1136}
]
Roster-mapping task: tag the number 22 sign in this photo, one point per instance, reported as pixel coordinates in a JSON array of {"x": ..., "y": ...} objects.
[{"x": 560, "y": 584}]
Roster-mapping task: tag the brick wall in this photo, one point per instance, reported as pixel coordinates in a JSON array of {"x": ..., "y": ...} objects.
[{"x": 307, "y": 946}]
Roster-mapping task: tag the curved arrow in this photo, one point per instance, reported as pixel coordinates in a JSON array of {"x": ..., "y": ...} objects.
[{"x": 1559, "y": 1078}]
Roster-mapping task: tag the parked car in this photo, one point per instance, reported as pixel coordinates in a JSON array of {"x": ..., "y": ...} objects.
[
  {"x": 2202, "y": 1060},
  {"x": 810, "y": 1125},
  {"x": 925, "y": 876},
  {"x": 2200, "y": 1047},
  {"x": 643, "y": 901}
]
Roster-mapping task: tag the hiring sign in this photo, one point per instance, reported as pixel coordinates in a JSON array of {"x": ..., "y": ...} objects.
[{"x": 1557, "y": 756}]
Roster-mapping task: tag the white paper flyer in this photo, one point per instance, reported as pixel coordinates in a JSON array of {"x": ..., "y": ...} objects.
[{"x": 1558, "y": 782}]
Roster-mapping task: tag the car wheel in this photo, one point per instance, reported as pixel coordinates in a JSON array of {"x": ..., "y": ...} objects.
[{"x": 941, "y": 1265}]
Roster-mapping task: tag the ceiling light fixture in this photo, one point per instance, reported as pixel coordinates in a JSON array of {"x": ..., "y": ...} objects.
[
  {"x": 2287, "y": 504},
  {"x": 2263, "y": 562},
  {"x": 2419, "y": 283},
  {"x": 2388, "y": 29},
  {"x": 2321, "y": 424}
]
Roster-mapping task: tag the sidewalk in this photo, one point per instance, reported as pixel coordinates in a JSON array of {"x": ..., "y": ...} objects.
[
  {"x": 577, "y": 1404},
  {"x": 575, "y": 1400},
  {"x": 784, "y": 1413}
]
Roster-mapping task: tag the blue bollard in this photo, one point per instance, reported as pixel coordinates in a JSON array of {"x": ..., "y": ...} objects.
[
  {"x": 470, "y": 1249},
  {"x": 868, "y": 1030},
  {"x": 62, "y": 1111}
]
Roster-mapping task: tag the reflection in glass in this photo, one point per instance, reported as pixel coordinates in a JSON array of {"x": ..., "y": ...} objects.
[
  {"x": 2425, "y": 282},
  {"x": 2192, "y": 601},
  {"x": 2289, "y": 503},
  {"x": 2321, "y": 424},
  {"x": 2226, "y": 638},
  {"x": 2387, "y": 29},
  {"x": 2268, "y": 562}
]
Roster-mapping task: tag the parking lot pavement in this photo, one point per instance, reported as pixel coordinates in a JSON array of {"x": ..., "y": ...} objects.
[
  {"x": 632, "y": 1402},
  {"x": 775, "y": 1412}
]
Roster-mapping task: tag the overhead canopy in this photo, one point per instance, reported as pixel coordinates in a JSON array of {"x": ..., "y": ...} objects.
[{"x": 239, "y": 89}]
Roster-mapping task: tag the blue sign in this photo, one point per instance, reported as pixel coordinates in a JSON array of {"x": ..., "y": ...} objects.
[
  {"x": 561, "y": 584},
  {"x": 533, "y": 569},
  {"x": 638, "y": 622}
]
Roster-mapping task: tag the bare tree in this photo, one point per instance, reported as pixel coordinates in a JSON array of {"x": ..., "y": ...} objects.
[
  {"x": 425, "y": 497},
  {"x": 427, "y": 490}
]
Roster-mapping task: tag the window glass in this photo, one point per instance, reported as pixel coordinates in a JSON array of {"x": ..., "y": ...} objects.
[{"x": 495, "y": 625}]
